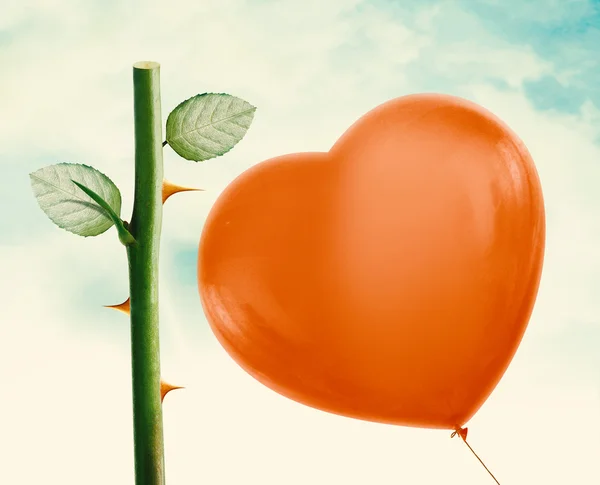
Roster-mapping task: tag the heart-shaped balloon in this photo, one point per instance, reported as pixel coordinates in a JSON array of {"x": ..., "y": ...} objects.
[{"x": 390, "y": 279}]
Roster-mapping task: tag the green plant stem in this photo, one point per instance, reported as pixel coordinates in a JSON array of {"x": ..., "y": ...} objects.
[{"x": 145, "y": 226}]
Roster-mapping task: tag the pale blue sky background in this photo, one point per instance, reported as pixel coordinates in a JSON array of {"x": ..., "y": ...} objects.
[{"x": 312, "y": 68}]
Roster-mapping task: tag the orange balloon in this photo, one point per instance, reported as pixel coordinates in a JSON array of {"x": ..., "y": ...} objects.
[{"x": 390, "y": 279}]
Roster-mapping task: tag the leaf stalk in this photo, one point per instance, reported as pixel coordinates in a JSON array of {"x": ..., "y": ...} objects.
[{"x": 124, "y": 235}]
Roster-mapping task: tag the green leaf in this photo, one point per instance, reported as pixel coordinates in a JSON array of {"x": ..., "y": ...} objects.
[
  {"x": 70, "y": 208},
  {"x": 208, "y": 125}
]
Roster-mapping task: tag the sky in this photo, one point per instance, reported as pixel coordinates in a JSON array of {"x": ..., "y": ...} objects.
[{"x": 312, "y": 68}]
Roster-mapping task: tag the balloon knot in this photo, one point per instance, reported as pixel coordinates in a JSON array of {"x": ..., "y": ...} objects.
[{"x": 462, "y": 432}]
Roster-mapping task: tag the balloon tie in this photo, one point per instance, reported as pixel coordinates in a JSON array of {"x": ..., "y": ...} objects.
[{"x": 462, "y": 432}]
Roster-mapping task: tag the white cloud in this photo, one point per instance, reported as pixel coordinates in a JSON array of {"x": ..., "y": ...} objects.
[{"x": 513, "y": 65}]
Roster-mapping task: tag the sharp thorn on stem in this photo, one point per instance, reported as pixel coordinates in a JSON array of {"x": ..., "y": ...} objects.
[
  {"x": 166, "y": 388},
  {"x": 169, "y": 189},
  {"x": 122, "y": 307}
]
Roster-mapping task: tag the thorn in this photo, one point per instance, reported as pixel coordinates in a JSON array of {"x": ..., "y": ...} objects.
[
  {"x": 166, "y": 388},
  {"x": 169, "y": 189},
  {"x": 122, "y": 307}
]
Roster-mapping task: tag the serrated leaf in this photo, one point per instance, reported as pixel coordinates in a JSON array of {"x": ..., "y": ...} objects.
[
  {"x": 69, "y": 207},
  {"x": 208, "y": 125}
]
